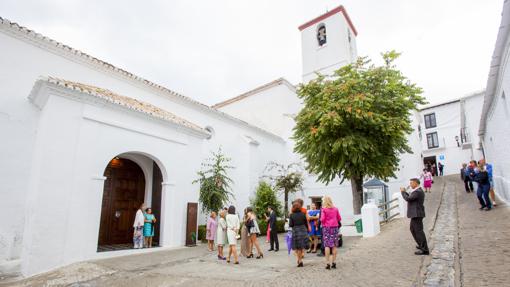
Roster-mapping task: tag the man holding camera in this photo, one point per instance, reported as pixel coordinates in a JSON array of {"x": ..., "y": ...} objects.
[{"x": 416, "y": 212}]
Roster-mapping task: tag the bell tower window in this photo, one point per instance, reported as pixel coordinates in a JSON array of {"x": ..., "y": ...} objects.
[{"x": 321, "y": 35}]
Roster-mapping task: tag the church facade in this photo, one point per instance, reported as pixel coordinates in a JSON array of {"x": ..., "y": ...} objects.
[{"x": 86, "y": 142}]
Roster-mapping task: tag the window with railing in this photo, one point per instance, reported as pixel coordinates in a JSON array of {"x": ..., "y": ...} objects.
[{"x": 432, "y": 140}]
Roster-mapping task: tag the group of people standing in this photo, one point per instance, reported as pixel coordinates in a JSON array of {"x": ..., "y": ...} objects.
[
  {"x": 304, "y": 226},
  {"x": 481, "y": 173},
  {"x": 143, "y": 227},
  {"x": 227, "y": 230}
]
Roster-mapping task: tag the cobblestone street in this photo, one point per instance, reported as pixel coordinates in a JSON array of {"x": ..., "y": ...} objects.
[{"x": 469, "y": 248}]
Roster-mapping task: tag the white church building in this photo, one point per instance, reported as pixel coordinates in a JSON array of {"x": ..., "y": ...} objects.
[{"x": 85, "y": 142}]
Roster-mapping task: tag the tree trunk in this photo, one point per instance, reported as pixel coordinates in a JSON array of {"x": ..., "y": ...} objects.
[
  {"x": 357, "y": 193},
  {"x": 286, "y": 206}
]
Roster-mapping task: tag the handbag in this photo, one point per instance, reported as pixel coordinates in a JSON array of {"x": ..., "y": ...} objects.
[{"x": 340, "y": 240}]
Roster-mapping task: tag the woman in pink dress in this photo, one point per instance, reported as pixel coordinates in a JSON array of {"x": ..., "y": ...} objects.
[
  {"x": 211, "y": 227},
  {"x": 427, "y": 179}
]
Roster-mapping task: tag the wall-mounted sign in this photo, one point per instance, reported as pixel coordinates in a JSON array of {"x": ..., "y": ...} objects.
[{"x": 441, "y": 157}]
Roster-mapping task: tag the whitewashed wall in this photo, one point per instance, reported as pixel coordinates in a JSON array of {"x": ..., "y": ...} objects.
[
  {"x": 497, "y": 135},
  {"x": 28, "y": 136}
]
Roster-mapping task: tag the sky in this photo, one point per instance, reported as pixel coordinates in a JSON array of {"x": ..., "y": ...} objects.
[{"x": 215, "y": 50}]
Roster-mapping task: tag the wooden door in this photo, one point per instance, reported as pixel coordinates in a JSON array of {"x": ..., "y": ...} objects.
[
  {"x": 124, "y": 191},
  {"x": 157, "y": 180},
  {"x": 191, "y": 224}
]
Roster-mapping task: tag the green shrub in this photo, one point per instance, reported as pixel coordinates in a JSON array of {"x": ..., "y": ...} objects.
[
  {"x": 202, "y": 230},
  {"x": 265, "y": 196},
  {"x": 262, "y": 227},
  {"x": 280, "y": 226}
]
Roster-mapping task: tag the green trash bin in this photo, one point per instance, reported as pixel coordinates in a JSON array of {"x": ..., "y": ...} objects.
[{"x": 359, "y": 225}]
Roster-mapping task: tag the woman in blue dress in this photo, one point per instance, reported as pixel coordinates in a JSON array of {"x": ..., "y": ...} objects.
[
  {"x": 148, "y": 227},
  {"x": 313, "y": 217}
]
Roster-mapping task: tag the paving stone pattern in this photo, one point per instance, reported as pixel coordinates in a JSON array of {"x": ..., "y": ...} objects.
[{"x": 441, "y": 269}]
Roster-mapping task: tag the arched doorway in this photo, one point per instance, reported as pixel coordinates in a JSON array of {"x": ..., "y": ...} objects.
[
  {"x": 124, "y": 191},
  {"x": 131, "y": 179}
]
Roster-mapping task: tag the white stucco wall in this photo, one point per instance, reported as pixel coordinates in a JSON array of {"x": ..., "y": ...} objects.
[
  {"x": 497, "y": 134},
  {"x": 337, "y": 52},
  {"x": 46, "y": 152}
]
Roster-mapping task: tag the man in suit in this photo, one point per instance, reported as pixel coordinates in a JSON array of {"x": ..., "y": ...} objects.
[
  {"x": 273, "y": 233},
  {"x": 416, "y": 211}
]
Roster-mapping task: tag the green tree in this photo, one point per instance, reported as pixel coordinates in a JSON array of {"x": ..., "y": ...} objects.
[
  {"x": 287, "y": 179},
  {"x": 265, "y": 196},
  {"x": 215, "y": 190},
  {"x": 355, "y": 124}
]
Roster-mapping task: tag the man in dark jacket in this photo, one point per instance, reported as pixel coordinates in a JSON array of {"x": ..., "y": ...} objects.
[
  {"x": 416, "y": 211},
  {"x": 273, "y": 233}
]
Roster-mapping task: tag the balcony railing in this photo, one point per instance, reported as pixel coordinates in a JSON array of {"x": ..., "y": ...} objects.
[{"x": 464, "y": 136}]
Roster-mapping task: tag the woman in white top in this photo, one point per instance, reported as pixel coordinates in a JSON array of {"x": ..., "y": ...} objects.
[
  {"x": 221, "y": 234},
  {"x": 232, "y": 231},
  {"x": 138, "y": 227}
]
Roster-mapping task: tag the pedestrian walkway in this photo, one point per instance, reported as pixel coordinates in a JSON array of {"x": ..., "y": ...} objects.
[
  {"x": 469, "y": 248},
  {"x": 484, "y": 240}
]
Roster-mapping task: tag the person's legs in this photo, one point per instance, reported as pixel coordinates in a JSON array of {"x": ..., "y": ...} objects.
[
  {"x": 274, "y": 235},
  {"x": 466, "y": 186},
  {"x": 271, "y": 240},
  {"x": 229, "y": 252},
  {"x": 471, "y": 185},
  {"x": 150, "y": 242},
  {"x": 486, "y": 198},
  {"x": 315, "y": 243},
  {"x": 333, "y": 260},
  {"x": 255, "y": 242},
  {"x": 234, "y": 250},
  {"x": 420, "y": 234},
  {"x": 479, "y": 194},
  {"x": 327, "y": 256},
  {"x": 413, "y": 231}
]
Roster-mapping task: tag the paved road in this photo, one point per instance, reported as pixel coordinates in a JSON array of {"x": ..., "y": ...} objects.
[{"x": 469, "y": 247}]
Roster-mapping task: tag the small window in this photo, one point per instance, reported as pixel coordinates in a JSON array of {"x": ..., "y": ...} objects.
[
  {"x": 419, "y": 131},
  {"x": 432, "y": 140},
  {"x": 321, "y": 35},
  {"x": 430, "y": 121}
]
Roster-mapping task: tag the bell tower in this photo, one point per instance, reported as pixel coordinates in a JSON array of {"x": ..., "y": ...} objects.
[{"x": 328, "y": 42}]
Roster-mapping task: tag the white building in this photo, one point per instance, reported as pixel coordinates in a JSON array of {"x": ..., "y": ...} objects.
[
  {"x": 448, "y": 132},
  {"x": 495, "y": 121},
  {"x": 85, "y": 142}
]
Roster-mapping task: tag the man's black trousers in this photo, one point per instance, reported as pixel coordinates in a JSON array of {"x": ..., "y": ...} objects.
[{"x": 418, "y": 233}]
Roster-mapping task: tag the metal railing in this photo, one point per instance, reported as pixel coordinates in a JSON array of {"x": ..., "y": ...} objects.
[{"x": 386, "y": 208}]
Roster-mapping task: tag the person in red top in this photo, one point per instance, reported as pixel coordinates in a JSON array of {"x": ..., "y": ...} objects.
[{"x": 330, "y": 219}]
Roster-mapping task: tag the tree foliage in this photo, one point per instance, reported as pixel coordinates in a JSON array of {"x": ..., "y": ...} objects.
[
  {"x": 355, "y": 123},
  {"x": 215, "y": 190},
  {"x": 286, "y": 178},
  {"x": 265, "y": 196}
]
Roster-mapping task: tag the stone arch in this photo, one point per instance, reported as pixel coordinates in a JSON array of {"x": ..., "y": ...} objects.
[{"x": 122, "y": 195}]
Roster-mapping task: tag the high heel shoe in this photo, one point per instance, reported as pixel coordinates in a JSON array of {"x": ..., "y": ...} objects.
[
  {"x": 300, "y": 264},
  {"x": 250, "y": 256},
  {"x": 260, "y": 256},
  {"x": 328, "y": 267},
  {"x": 333, "y": 265}
]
